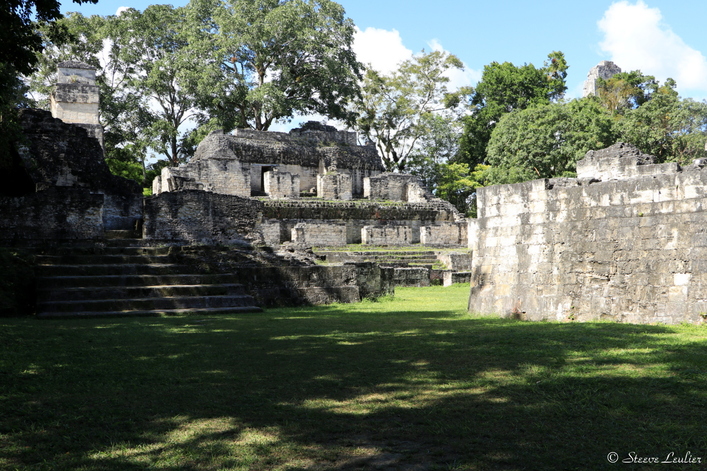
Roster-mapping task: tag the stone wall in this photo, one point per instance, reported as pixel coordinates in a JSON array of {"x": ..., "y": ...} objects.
[
  {"x": 53, "y": 214},
  {"x": 457, "y": 261},
  {"x": 386, "y": 235},
  {"x": 280, "y": 184},
  {"x": 282, "y": 216},
  {"x": 412, "y": 276},
  {"x": 395, "y": 187},
  {"x": 631, "y": 249},
  {"x": 335, "y": 186},
  {"x": 202, "y": 218},
  {"x": 445, "y": 235},
  {"x": 316, "y": 233},
  {"x": 69, "y": 185}
]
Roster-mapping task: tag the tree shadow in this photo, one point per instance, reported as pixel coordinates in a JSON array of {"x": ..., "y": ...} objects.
[{"x": 351, "y": 391}]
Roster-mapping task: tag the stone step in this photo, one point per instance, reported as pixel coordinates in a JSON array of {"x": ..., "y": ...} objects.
[
  {"x": 103, "y": 259},
  {"x": 145, "y": 304},
  {"x": 113, "y": 269},
  {"x": 58, "y": 282},
  {"x": 81, "y": 293},
  {"x": 109, "y": 249},
  {"x": 148, "y": 313},
  {"x": 124, "y": 277},
  {"x": 122, "y": 235}
]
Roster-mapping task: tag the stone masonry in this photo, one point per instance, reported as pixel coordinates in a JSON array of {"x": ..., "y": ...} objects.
[
  {"x": 625, "y": 242},
  {"x": 74, "y": 195},
  {"x": 327, "y": 162},
  {"x": 75, "y": 97},
  {"x": 604, "y": 70}
]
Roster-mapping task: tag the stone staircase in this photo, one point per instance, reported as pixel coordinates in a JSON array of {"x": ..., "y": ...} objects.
[{"x": 125, "y": 278}]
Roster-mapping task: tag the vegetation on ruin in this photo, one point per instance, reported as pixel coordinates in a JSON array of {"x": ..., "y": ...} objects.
[
  {"x": 545, "y": 140},
  {"x": 246, "y": 63},
  {"x": 220, "y": 65},
  {"x": 409, "y": 381}
]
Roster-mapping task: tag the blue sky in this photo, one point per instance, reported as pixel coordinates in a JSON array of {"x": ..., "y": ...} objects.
[{"x": 664, "y": 38}]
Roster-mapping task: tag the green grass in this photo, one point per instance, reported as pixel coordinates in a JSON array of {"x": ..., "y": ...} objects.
[{"x": 411, "y": 382}]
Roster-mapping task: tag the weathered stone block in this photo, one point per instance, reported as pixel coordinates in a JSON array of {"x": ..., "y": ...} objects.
[
  {"x": 335, "y": 186},
  {"x": 386, "y": 235},
  {"x": 319, "y": 234},
  {"x": 445, "y": 235}
]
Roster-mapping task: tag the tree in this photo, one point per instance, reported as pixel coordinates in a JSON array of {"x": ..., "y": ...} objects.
[
  {"x": 666, "y": 126},
  {"x": 275, "y": 59},
  {"x": 19, "y": 34},
  {"x": 546, "y": 141},
  {"x": 504, "y": 88},
  {"x": 626, "y": 90},
  {"x": 410, "y": 107},
  {"x": 457, "y": 184},
  {"x": 123, "y": 113},
  {"x": 161, "y": 70}
]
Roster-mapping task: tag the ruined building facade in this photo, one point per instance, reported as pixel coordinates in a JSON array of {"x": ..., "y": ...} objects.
[
  {"x": 316, "y": 187},
  {"x": 319, "y": 162}
]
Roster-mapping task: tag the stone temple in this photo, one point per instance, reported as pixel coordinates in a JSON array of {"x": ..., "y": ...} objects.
[
  {"x": 231, "y": 230},
  {"x": 604, "y": 70}
]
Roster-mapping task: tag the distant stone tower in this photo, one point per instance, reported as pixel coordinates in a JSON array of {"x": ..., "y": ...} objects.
[
  {"x": 604, "y": 70},
  {"x": 75, "y": 97}
]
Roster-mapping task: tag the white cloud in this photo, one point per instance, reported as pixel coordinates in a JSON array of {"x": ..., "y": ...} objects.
[
  {"x": 121, "y": 10},
  {"x": 636, "y": 38},
  {"x": 458, "y": 78},
  {"x": 383, "y": 50}
]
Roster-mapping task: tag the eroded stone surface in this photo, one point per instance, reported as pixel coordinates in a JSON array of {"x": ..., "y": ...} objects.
[{"x": 629, "y": 248}]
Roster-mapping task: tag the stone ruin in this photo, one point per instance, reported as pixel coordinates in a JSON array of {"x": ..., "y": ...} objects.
[
  {"x": 267, "y": 196},
  {"x": 624, "y": 241},
  {"x": 69, "y": 191},
  {"x": 604, "y": 70},
  {"x": 75, "y": 97},
  {"x": 316, "y": 187}
]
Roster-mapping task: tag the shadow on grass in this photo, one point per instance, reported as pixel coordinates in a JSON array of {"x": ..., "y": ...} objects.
[{"x": 321, "y": 389}]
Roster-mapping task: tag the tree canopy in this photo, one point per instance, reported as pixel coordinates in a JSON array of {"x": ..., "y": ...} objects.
[
  {"x": 410, "y": 109},
  {"x": 504, "y": 88},
  {"x": 546, "y": 141},
  {"x": 275, "y": 59},
  {"x": 211, "y": 64}
]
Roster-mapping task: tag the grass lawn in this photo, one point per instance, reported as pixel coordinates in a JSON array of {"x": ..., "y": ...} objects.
[{"x": 412, "y": 382}]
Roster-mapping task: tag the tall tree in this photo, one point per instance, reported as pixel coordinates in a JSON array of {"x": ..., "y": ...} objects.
[
  {"x": 666, "y": 126},
  {"x": 626, "y": 90},
  {"x": 276, "y": 59},
  {"x": 405, "y": 113},
  {"x": 160, "y": 68},
  {"x": 504, "y": 88},
  {"x": 546, "y": 141}
]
